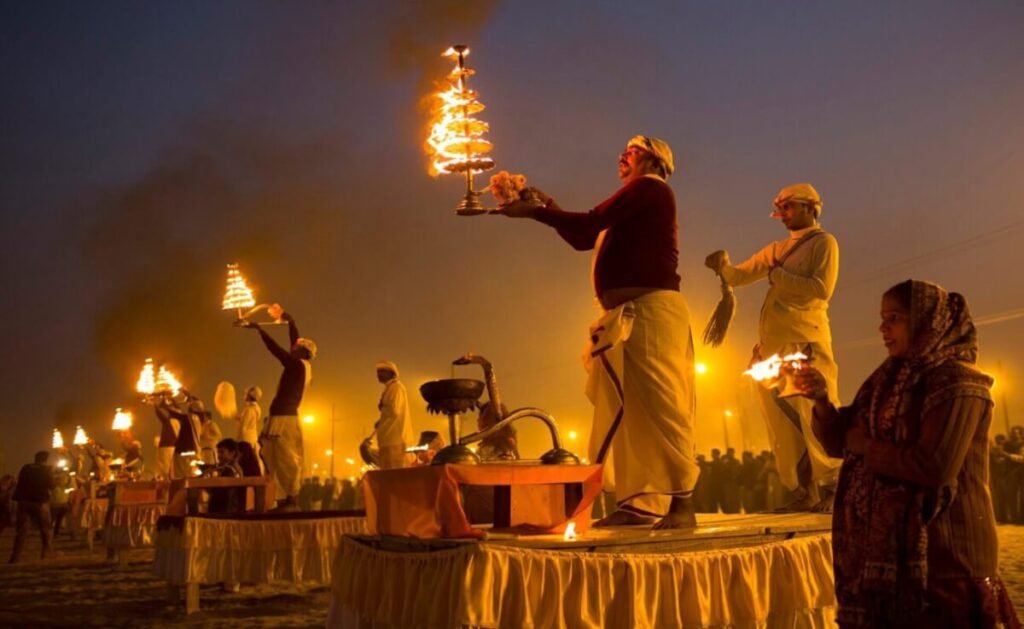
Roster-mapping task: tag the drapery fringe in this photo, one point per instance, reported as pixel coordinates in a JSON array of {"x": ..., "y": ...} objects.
[{"x": 782, "y": 584}]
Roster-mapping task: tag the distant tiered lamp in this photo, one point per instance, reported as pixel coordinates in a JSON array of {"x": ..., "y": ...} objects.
[{"x": 239, "y": 297}]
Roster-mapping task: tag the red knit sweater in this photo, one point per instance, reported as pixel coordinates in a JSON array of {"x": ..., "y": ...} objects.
[{"x": 641, "y": 247}]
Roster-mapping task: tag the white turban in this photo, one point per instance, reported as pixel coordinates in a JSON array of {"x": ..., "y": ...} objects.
[
  {"x": 658, "y": 148},
  {"x": 308, "y": 345},
  {"x": 387, "y": 365},
  {"x": 254, "y": 393}
]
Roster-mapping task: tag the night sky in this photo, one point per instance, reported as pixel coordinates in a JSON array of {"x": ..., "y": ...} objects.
[{"x": 145, "y": 145}]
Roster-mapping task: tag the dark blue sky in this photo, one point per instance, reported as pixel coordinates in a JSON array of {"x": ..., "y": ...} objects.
[{"x": 145, "y": 145}]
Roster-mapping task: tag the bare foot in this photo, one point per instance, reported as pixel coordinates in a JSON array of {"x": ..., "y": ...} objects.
[
  {"x": 623, "y": 518},
  {"x": 824, "y": 505},
  {"x": 681, "y": 515}
]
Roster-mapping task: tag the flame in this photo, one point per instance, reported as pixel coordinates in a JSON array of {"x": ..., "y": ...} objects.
[
  {"x": 570, "y": 532},
  {"x": 237, "y": 294},
  {"x": 80, "y": 438},
  {"x": 456, "y": 143},
  {"x": 58, "y": 439},
  {"x": 62, "y": 464},
  {"x": 769, "y": 369},
  {"x": 147, "y": 378},
  {"x": 166, "y": 382},
  {"x": 122, "y": 420},
  {"x": 117, "y": 461}
]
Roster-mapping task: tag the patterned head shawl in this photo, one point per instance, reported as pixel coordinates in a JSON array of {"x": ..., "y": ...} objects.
[{"x": 880, "y": 524}]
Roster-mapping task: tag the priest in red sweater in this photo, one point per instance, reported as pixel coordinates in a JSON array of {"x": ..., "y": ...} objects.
[{"x": 641, "y": 358}]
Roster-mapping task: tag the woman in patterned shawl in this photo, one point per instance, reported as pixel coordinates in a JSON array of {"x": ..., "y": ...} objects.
[{"x": 913, "y": 532}]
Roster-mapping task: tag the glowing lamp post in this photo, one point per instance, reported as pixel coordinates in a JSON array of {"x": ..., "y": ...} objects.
[{"x": 456, "y": 141}]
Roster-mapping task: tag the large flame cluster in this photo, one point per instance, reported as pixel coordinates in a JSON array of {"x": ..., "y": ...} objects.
[
  {"x": 456, "y": 143},
  {"x": 153, "y": 381},
  {"x": 237, "y": 295},
  {"x": 81, "y": 438}
]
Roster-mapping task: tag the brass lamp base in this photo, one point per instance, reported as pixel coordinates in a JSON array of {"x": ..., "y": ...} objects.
[
  {"x": 456, "y": 455},
  {"x": 470, "y": 205}
]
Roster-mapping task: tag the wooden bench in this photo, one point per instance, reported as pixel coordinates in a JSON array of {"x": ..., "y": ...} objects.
[{"x": 185, "y": 492}]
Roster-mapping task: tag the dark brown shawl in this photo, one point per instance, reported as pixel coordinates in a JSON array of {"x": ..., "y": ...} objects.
[{"x": 880, "y": 538}]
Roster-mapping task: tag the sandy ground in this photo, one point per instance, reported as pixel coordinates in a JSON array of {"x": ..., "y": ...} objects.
[{"x": 81, "y": 589}]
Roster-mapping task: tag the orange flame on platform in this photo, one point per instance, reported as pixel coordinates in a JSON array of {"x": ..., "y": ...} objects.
[{"x": 570, "y": 532}]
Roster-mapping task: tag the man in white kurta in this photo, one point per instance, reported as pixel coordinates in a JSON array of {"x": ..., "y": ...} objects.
[
  {"x": 394, "y": 428},
  {"x": 249, "y": 421},
  {"x": 802, "y": 271}
]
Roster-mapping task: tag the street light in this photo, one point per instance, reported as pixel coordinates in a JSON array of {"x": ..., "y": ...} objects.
[
  {"x": 700, "y": 368},
  {"x": 573, "y": 435},
  {"x": 308, "y": 419}
]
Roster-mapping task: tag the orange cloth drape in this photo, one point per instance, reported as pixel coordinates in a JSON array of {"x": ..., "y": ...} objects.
[{"x": 425, "y": 502}]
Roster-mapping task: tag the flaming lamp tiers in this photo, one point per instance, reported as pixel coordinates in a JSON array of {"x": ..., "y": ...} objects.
[
  {"x": 166, "y": 382},
  {"x": 122, "y": 420},
  {"x": 456, "y": 141},
  {"x": 80, "y": 437},
  {"x": 239, "y": 297},
  {"x": 146, "y": 384},
  {"x": 58, "y": 440}
]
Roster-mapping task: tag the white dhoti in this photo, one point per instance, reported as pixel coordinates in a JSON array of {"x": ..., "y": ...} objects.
[
  {"x": 165, "y": 462},
  {"x": 282, "y": 452},
  {"x": 183, "y": 467},
  {"x": 641, "y": 382},
  {"x": 798, "y": 455}
]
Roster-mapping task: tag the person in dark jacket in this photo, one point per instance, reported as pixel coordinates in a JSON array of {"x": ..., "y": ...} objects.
[{"x": 32, "y": 493}]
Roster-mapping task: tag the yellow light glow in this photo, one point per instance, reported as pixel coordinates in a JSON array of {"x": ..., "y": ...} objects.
[
  {"x": 146, "y": 384},
  {"x": 62, "y": 464},
  {"x": 700, "y": 368},
  {"x": 237, "y": 294},
  {"x": 728, "y": 413},
  {"x": 316, "y": 466},
  {"x": 80, "y": 437},
  {"x": 122, "y": 420},
  {"x": 350, "y": 461},
  {"x": 308, "y": 419},
  {"x": 58, "y": 439},
  {"x": 329, "y": 452},
  {"x": 573, "y": 435}
]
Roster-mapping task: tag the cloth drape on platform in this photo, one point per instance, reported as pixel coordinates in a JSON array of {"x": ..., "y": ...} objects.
[
  {"x": 132, "y": 526},
  {"x": 208, "y": 550},
  {"x": 425, "y": 502},
  {"x": 641, "y": 382},
  {"x": 783, "y": 584}
]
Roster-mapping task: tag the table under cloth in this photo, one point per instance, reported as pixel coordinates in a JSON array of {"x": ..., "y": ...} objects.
[
  {"x": 132, "y": 525},
  {"x": 294, "y": 547},
  {"x": 426, "y": 502},
  {"x": 779, "y": 584}
]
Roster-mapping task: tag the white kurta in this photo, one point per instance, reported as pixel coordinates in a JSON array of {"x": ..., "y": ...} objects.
[
  {"x": 641, "y": 381},
  {"x": 795, "y": 316},
  {"x": 249, "y": 423},
  {"x": 394, "y": 428}
]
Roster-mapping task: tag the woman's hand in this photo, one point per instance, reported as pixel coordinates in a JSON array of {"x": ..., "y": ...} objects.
[{"x": 811, "y": 383}]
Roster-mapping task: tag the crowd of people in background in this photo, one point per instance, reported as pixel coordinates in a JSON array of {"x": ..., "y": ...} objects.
[
  {"x": 1006, "y": 476},
  {"x": 749, "y": 484}
]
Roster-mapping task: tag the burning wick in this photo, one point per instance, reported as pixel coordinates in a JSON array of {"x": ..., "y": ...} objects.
[{"x": 570, "y": 532}]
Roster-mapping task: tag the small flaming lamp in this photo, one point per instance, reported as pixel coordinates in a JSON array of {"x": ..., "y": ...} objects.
[
  {"x": 81, "y": 438},
  {"x": 778, "y": 372},
  {"x": 237, "y": 294},
  {"x": 58, "y": 440},
  {"x": 456, "y": 141},
  {"x": 122, "y": 420}
]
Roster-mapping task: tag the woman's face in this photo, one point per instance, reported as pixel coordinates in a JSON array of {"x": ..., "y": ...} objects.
[{"x": 895, "y": 327}]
